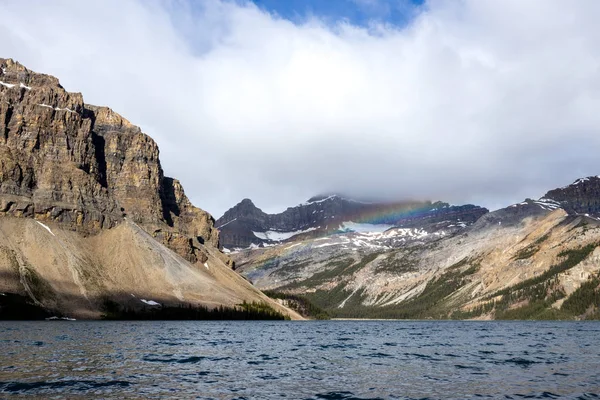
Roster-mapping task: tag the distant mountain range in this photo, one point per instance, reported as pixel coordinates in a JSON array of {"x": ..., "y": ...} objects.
[
  {"x": 537, "y": 259},
  {"x": 245, "y": 225}
]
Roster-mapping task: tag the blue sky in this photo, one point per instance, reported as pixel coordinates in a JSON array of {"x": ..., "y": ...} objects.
[{"x": 357, "y": 12}]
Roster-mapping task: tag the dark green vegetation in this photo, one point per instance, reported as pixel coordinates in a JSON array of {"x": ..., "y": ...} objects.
[
  {"x": 584, "y": 299},
  {"x": 584, "y": 303},
  {"x": 538, "y": 298},
  {"x": 38, "y": 286},
  {"x": 482, "y": 309},
  {"x": 397, "y": 265},
  {"x": 291, "y": 268},
  {"x": 533, "y": 248},
  {"x": 573, "y": 257},
  {"x": 333, "y": 271},
  {"x": 332, "y": 298},
  {"x": 434, "y": 302},
  {"x": 539, "y": 293},
  {"x": 531, "y": 299},
  {"x": 244, "y": 311},
  {"x": 17, "y": 307},
  {"x": 323, "y": 303},
  {"x": 298, "y": 303}
]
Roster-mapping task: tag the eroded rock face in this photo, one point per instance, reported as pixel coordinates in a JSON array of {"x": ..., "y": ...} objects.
[
  {"x": 49, "y": 168},
  {"x": 580, "y": 197},
  {"x": 444, "y": 217},
  {"x": 87, "y": 167}
]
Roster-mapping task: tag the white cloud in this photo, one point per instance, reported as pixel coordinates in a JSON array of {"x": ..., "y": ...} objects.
[{"x": 486, "y": 101}]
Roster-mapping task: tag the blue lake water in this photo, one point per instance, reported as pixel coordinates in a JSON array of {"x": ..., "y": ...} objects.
[{"x": 300, "y": 360}]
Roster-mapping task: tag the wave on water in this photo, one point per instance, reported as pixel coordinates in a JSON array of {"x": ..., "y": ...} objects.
[{"x": 319, "y": 360}]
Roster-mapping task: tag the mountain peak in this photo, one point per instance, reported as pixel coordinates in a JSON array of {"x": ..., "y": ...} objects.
[
  {"x": 333, "y": 196},
  {"x": 246, "y": 202},
  {"x": 586, "y": 181},
  {"x": 322, "y": 197},
  {"x": 244, "y": 225},
  {"x": 243, "y": 209}
]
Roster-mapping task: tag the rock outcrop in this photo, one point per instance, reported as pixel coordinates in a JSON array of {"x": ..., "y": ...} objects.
[
  {"x": 443, "y": 217},
  {"x": 87, "y": 167},
  {"x": 581, "y": 197}
]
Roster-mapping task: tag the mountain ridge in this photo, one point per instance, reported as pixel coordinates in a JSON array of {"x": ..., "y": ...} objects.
[
  {"x": 246, "y": 225},
  {"x": 580, "y": 197},
  {"x": 537, "y": 259}
]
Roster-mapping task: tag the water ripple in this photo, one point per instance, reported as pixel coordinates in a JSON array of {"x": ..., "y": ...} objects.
[{"x": 295, "y": 360}]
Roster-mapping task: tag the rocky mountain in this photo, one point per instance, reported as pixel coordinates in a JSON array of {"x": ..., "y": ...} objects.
[
  {"x": 580, "y": 197},
  {"x": 245, "y": 225},
  {"x": 538, "y": 259},
  {"x": 87, "y": 215}
]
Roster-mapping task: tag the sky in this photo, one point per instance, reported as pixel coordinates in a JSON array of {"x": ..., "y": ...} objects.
[{"x": 470, "y": 101}]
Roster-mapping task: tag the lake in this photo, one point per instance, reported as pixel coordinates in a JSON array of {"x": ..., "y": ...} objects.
[{"x": 300, "y": 360}]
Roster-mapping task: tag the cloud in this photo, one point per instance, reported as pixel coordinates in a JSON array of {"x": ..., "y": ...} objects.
[{"x": 485, "y": 102}]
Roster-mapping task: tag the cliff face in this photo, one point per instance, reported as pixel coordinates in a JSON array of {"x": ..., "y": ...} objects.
[
  {"x": 48, "y": 163},
  {"x": 87, "y": 217},
  {"x": 443, "y": 217},
  {"x": 87, "y": 167},
  {"x": 582, "y": 196}
]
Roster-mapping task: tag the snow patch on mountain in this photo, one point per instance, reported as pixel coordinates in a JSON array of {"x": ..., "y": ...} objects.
[
  {"x": 331, "y": 197},
  {"x": 8, "y": 85},
  {"x": 150, "y": 302},
  {"x": 46, "y": 228},
  {"x": 547, "y": 204},
  {"x": 318, "y": 201},
  {"x": 580, "y": 181},
  {"x": 226, "y": 223},
  {"x": 56, "y": 108},
  {"x": 277, "y": 236},
  {"x": 350, "y": 226}
]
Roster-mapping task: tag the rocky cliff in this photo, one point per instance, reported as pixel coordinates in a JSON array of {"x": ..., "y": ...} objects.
[
  {"x": 78, "y": 168},
  {"x": 582, "y": 196},
  {"x": 87, "y": 167}
]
